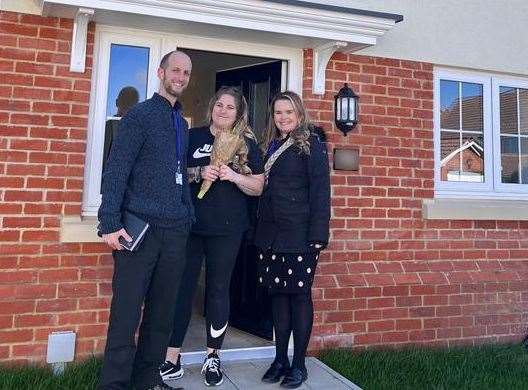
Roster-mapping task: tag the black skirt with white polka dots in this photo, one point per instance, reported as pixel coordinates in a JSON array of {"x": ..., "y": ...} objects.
[{"x": 286, "y": 273}]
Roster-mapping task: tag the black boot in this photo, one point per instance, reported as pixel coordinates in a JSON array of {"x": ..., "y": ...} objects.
[
  {"x": 275, "y": 372},
  {"x": 294, "y": 378}
]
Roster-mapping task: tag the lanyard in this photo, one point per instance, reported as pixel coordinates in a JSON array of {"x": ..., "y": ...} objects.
[
  {"x": 176, "y": 122},
  {"x": 177, "y": 126}
]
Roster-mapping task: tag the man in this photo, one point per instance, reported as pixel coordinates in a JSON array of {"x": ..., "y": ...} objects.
[{"x": 145, "y": 177}]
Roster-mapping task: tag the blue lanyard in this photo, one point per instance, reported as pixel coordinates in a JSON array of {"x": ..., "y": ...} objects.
[
  {"x": 177, "y": 126},
  {"x": 273, "y": 146}
]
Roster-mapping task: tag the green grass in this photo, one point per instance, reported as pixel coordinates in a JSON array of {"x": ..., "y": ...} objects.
[
  {"x": 81, "y": 376},
  {"x": 484, "y": 367}
]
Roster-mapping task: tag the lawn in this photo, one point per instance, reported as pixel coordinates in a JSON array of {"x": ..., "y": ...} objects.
[
  {"x": 82, "y": 376},
  {"x": 484, "y": 367}
]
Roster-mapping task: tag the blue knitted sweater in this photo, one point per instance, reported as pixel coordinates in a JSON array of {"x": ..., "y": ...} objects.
[{"x": 140, "y": 171}]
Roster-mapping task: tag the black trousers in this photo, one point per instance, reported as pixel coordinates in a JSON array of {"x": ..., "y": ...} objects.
[
  {"x": 220, "y": 254},
  {"x": 151, "y": 276}
]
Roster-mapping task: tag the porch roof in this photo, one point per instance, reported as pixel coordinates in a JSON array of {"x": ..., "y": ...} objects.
[{"x": 291, "y": 23}]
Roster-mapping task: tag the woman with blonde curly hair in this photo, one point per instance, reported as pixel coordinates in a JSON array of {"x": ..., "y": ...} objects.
[
  {"x": 221, "y": 219},
  {"x": 292, "y": 228}
]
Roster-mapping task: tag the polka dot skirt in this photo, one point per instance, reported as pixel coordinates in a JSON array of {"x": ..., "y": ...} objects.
[{"x": 286, "y": 272}]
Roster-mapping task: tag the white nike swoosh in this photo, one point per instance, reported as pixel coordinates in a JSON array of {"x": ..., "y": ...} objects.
[
  {"x": 217, "y": 333},
  {"x": 198, "y": 154}
]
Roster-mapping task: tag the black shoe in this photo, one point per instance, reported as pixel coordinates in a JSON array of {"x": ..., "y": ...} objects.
[
  {"x": 161, "y": 386},
  {"x": 211, "y": 370},
  {"x": 294, "y": 378},
  {"x": 275, "y": 372},
  {"x": 170, "y": 371}
]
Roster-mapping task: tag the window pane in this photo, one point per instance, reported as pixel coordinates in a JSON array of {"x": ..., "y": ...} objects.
[
  {"x": 524, "y": 160},
  {"x": 472, "y": 113},
  {"x": 472, "y": 158},
  {"x": 449, "y": 105},
  {"x": 523, "y": 111},
  {"x": 510, "y": 159},
  {"x": 127, "y": 85},
  {"x": 450, "y": 158},
  {"x": 508, "y": 110}
]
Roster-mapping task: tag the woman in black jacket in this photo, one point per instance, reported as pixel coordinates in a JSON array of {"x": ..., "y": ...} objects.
[{"x": 293, "y": 227}]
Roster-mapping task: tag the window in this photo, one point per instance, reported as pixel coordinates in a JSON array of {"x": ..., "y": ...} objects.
[
  {"x": 124, "y": 77},
  {"x": 481, "y": 135}
]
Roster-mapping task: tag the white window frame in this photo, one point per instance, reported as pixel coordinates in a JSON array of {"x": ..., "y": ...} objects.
[
  {"x": 491, "y": 188},
  {"x": 497, "y": 83},
  {"x": 159, "y": 43},
  {"x": 98, "y": 102}
]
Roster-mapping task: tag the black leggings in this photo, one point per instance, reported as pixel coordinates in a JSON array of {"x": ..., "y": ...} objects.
[
  {"x": 292, "y": 312},
  {"x": 220, "y": 254}
]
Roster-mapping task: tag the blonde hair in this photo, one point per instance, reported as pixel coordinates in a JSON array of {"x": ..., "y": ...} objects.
[
  {"x": 299, "y": 135},
  {"x": 241, "y": 118}
]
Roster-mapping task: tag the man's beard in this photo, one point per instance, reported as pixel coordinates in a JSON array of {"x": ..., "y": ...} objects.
[{"x": 168, "y": 88}]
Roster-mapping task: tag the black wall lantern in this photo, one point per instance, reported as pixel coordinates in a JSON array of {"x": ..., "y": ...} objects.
[{"x": 346, "y": 109}]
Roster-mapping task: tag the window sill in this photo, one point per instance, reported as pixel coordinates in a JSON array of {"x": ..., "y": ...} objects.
[
  {"x": 78, "y": 229},
  {"x": 475, "y": 209}
]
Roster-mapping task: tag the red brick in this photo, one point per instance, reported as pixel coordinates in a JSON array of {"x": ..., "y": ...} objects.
[
  {"x": 33, "y": 68},
  {"x": 39, "y": 235},
  {"x": 84, "y": 317},
  {"x": 79, "y": 290},
  {"x": 56, "y": 305},
  {"x": 13, "y": 105},
  {"x": 34, "y": 320},
  {"x": 16, "y": 79},
  {"x": 51, "y": 108},
  {"x": 15, "y": 222},
  {"x": 55, "y": 33},
  {"x": 31, "y": 93},
  {"x": 29, "y": 350},
  {"x": 30, "y": 119},
  {"x": 16, "y": 336}
]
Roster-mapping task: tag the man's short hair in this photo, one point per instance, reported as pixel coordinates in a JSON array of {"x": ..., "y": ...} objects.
[{"x": 165, "y": 60}]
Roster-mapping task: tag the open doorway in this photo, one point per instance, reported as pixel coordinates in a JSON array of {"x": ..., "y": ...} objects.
[{"x": 259, "y": 79}]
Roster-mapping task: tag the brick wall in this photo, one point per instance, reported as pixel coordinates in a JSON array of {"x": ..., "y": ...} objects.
[
  {"x": 389, "y": 276},
  {"x": 44, "y": 285}
]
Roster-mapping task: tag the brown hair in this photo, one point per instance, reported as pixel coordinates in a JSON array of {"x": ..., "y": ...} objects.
[
  {"x": 299, "y": 135},
  {"x": 241, "y": 118}
]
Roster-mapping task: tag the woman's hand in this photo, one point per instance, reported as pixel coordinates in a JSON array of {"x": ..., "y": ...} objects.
[
  {"x": 210, "y": 172},
  {"x": 228, "y": 174}
]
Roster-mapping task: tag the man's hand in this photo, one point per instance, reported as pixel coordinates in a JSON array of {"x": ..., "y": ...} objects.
[
  {"x": 210, "y": 172},
  {"x": 112, "y": 239},
  {"x": 227, "y": 173}
]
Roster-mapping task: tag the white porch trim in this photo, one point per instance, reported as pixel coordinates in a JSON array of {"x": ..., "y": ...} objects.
[
  {"x": 79, "y": 38},
  {"x": 312, "y": 26}
]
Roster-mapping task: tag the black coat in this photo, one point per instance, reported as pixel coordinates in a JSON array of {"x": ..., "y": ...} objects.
[{"x": 294, "y": 209}]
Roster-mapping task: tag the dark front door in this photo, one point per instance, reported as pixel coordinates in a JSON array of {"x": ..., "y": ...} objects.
[{"x": 250, "y": 307}]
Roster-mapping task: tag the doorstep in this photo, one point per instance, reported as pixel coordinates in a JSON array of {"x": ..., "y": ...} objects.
[{"x": 244, "y": 374}]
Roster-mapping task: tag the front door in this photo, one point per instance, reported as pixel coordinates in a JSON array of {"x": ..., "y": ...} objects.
[{"x": 250, "y": 307}]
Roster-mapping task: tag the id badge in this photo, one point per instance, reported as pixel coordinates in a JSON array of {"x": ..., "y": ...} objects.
[
  {"x": 179, "y": 178},
  {"x": 178, "y": 175}
]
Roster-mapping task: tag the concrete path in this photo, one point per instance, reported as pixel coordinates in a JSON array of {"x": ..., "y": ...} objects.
[{"x": 246, "y": 374}]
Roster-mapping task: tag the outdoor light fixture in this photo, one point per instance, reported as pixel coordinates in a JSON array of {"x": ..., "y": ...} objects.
[{"x": 346, "y": 109}]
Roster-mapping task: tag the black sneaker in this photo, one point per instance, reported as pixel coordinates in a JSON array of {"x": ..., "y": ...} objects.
[
  {"x": 161, "y": 386},
  {"x": 170, "y": 371},
  {"x": 211, "y": 370}
]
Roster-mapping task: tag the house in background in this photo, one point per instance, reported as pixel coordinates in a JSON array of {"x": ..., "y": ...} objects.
[{"x": 420, "y": 251}]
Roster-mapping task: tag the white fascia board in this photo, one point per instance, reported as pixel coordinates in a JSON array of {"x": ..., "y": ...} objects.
[{"x": 254, "y": 15}]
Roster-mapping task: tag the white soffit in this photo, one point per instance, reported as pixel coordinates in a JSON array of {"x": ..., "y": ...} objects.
[{"x": 324, "y": 28}]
